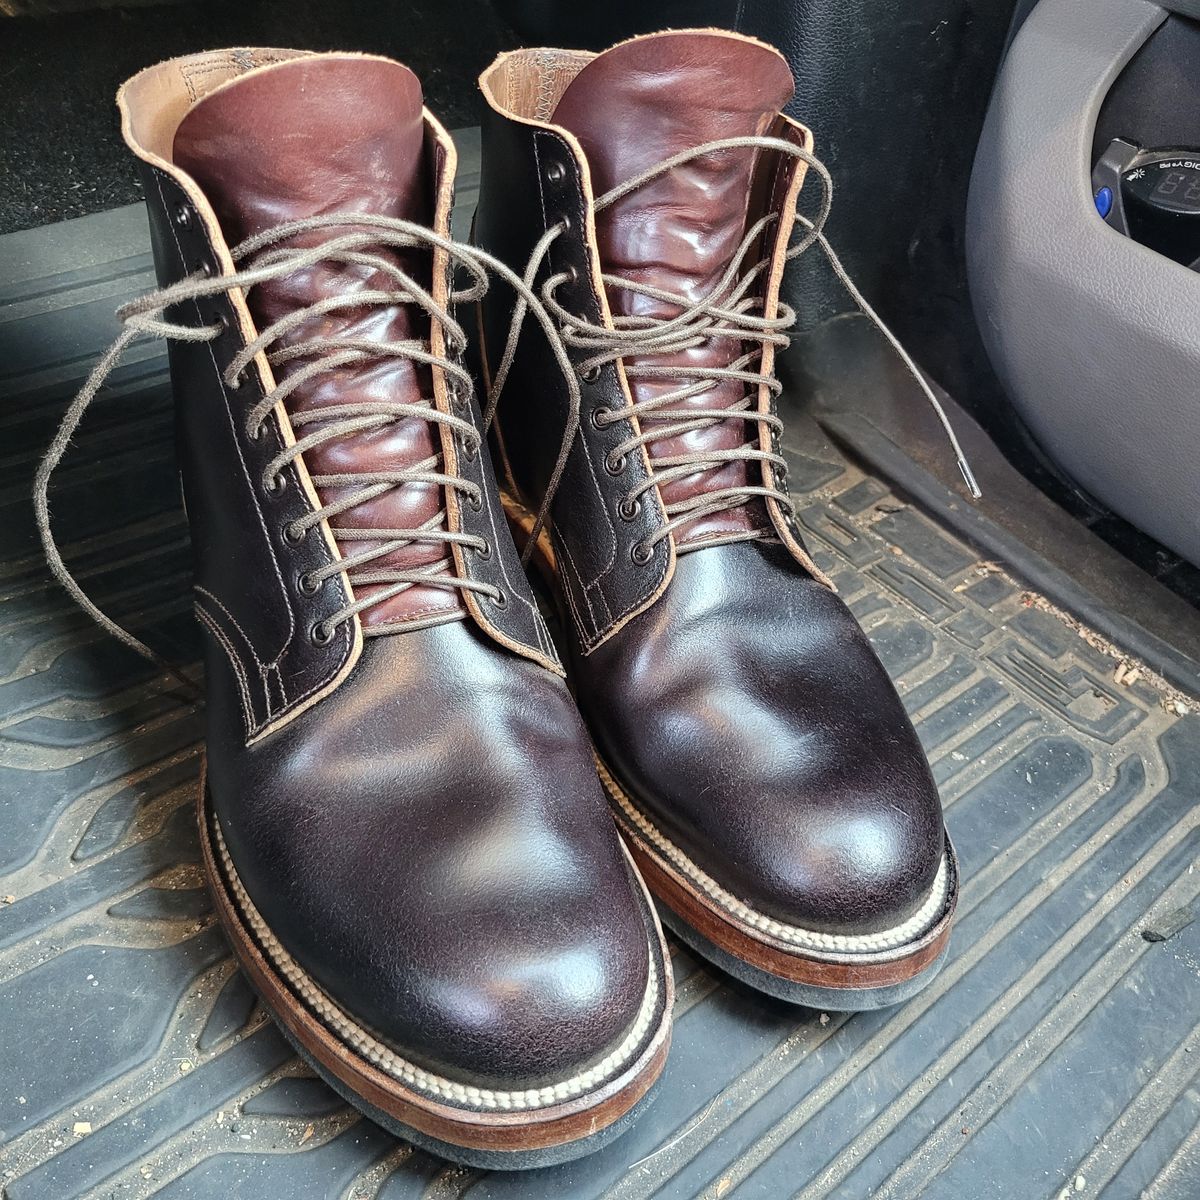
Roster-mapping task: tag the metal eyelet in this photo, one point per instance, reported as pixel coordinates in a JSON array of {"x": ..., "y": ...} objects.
[
  {"x": 308, "y": 584},
  {"x": 614, "y": 465},
  {"x": 183, "y": 215},
  {"x": 204, "y": 269},
  {"x": 564, "y": 225},
  {"x": 294, "y": 535},
  {"x": 320, "y": 634},
  {"x": 591, "y": 374},
  {"x": 475, "y": 502},
  {"x": 641, "y": 553},
  {"x": 628, "y": 509},
  {"x": 572, "y": 274},
  {"x": 235, "y": 384},
  {"x": 275, "y": 483},
  {"x": 556, "y": 172},
  {"x": 500, "y": 600},
  {"x": 483, "y": 551},
  {"x": 599, "y": 417}
]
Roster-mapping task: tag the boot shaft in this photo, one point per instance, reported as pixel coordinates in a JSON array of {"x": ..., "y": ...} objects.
[
  {"x": 232, "y": 143},
  {"x": 340, "y": 134},
  {"x": 566, "y": 127}
]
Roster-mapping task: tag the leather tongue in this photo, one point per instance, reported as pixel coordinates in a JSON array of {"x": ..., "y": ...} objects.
[
  {"x": 632, "y": 107},
  {"x": 334, "y": 133},
  {"x": 316, "y": 134}
]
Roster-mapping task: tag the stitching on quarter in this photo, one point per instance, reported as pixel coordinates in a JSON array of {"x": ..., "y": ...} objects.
[
  {"x": 199, "y": 587},
  {"x": 581, "y": 218},
  {"x": 579, "y": 587},
  {"x": 233, "y": 428},
  {"x": 604, "y": 601},
  {"x": 570, "y": 592},
  {"x": 569, "y": 559},
  {"x": 633, "y": 604},
  {"x": 592, "y": 640},
  {"x": 344, "y": 635},
  {"x": 252, "y": 725},
  {"x": 272, "y": 676}
]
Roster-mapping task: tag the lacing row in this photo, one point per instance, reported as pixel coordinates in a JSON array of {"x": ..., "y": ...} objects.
[
  {"x": 260, "y": 259},
  {"x": 731, "y": 310}
]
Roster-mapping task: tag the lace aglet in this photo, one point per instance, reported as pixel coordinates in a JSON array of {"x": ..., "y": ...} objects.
[{"x": 969, "y": 476}]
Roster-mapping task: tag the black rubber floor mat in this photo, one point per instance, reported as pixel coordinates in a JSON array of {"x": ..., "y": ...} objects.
[{"x": 1056, "y": 1054}]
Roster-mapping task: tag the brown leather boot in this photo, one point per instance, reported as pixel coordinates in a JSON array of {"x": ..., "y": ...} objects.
[
  {"x": 402, "y": 824},
  {"x": 760, "y": 764}
]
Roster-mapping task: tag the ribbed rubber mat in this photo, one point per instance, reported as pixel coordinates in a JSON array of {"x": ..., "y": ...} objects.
[{"x": 1056, "y": 1054}]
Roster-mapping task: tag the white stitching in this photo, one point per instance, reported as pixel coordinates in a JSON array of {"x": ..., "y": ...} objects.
[
  {"x": 343, "y": 631},
  {"x": 590, "y": 641},
  {"x": 233, "y": 621},
  {"x": 587, "y": 458},
  {"x": 387, "y": 1060},
  {"x": 919, "y": 923},
  {"x": 233, "y": 427},
  {"x": 568, "y": 560},
  {"x": 603, "y": 600},
  {"x": 248, "y": 718},
  {"x": 563, "y": 554},
  {"x": 272, "y": 674}
]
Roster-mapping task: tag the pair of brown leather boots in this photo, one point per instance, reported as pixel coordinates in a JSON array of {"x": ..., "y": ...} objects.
[{"x": 407, "y": 818}]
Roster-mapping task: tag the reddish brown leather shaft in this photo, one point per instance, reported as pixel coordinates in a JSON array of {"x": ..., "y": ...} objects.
[
  {"x": 632, "y": 107},
  {"x": 337, "y": 133}
]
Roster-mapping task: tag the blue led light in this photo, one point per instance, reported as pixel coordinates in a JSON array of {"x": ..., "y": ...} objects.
[{"x": 1104, "y": 201}]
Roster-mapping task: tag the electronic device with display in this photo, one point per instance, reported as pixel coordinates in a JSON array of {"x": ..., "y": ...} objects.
[{"x": 1153, "y": 197}]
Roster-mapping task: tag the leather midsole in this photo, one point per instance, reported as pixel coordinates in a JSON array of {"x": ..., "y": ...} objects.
[
  {"x": 643, "y": 1047},
  {"x": 881, "y": 947}
]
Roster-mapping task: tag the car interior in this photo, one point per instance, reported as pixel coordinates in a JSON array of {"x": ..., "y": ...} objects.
[{"x": 989, "y": 427}]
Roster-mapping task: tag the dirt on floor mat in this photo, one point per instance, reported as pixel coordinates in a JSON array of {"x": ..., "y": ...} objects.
[{"x": 1056, "y": 1054}]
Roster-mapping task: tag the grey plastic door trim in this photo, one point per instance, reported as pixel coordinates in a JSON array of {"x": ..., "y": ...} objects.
[{"x": 1095, "y": 338}]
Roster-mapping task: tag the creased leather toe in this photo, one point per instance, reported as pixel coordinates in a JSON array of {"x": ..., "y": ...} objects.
[
  {"x": 500, "y": 939},
  {"x": 749, "y": 717}
]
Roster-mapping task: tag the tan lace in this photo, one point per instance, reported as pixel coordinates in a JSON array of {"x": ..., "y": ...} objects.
[
  {"x": 732, "y": 310},
  {"x": 265, "y": 259}
]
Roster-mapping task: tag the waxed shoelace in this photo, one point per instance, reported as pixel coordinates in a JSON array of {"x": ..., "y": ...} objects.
[
  {"x": 265, "y": 260},
  {"x": 729, "y": 311}
]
